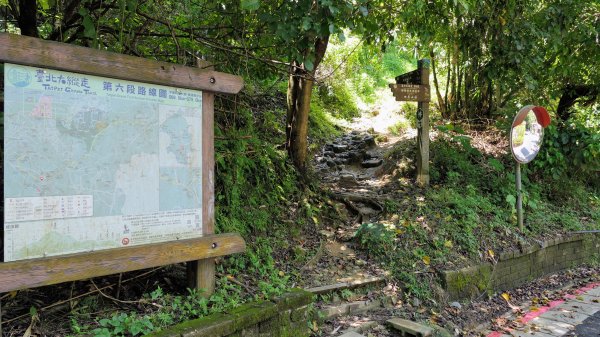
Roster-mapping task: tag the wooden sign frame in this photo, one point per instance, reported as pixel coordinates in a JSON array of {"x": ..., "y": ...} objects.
[{"x": 198, "y": 252}]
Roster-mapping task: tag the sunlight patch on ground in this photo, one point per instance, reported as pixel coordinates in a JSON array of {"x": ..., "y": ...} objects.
[{"x": 380, "y": 116}]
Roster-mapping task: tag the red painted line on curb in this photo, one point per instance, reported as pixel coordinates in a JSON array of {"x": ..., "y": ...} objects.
[{"x": 533, "y": 314}]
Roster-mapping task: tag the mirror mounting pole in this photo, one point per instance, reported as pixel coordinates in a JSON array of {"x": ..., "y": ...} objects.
[{"x": 519, "y": 197}]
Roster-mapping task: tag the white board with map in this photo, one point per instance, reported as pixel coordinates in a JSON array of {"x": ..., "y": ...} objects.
[{"x": 94, "y": 163}]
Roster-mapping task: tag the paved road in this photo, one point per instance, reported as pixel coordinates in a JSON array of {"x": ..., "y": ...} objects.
[{"x": 575, "y": 315}]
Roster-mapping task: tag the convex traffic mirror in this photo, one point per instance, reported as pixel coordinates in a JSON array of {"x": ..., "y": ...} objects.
[
  {"x": 526, "y": 136},
  {"x": 527, "y": 132}
]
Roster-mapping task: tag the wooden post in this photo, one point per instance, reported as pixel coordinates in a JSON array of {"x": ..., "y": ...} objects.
[
  {"x": 423, "y": 127},
  {"x": 201, "y": 273}
]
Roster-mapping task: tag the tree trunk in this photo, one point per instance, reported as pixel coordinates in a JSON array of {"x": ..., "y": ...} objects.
[
  {"x": 299, "y": 94},
  {"x": 570, "y": 95},
  {"x": 441, "y": 104},
  {"x": 27, "y": 18},
  {"x": 300, "y": 84}
]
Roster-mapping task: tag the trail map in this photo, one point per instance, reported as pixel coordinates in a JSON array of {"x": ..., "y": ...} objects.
[{"x": 94, "y": 163}]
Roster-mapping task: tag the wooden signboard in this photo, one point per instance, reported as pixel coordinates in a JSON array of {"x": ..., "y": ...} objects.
[
  {"x": 414, "y": 87},
  {"x": 412, "y": 77},
  {"x": 111, "y": 165},
  {"x": 410, "y": 92}
]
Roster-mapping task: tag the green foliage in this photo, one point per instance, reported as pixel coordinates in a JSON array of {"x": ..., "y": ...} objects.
[
  {"x": 123, "y": 325},
  {"x": 399, "y": 128},
  {"x": 379, "y": 238},
  {"x": 254, "y": 181},
  {"x": 362, "y": 69},
  {"x": 337, "y": 99},
  {"x": 571, "y": 151},
  {"x": 321, "y": 124}
]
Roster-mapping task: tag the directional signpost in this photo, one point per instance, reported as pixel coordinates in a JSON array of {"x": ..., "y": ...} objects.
[{"x": 414, "y": 87}]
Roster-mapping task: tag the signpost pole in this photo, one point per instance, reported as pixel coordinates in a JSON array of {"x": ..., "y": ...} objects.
[
  {"x": 519, "y": 197},
  {"x": 423, "y": 127}
]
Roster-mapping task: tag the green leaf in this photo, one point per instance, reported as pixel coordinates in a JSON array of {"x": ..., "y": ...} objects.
[
  {"x": 306, "y": 23},
  {"x": 496, "y": 164},
  {"x": 511, "y": 199},
  {"x": 309, "y": 64},
  {"x": 89, "y": 30},
  {"x": 131, "y": 5},
  {"x": 363, "y": 10},
  {"x": 44, "y": 3},
  {"x": 250, "y": 5}
]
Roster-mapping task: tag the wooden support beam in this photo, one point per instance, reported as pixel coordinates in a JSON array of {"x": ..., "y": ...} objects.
[
  {"x": 51, "y": 270},
  {"x": 35, "y": 52}
]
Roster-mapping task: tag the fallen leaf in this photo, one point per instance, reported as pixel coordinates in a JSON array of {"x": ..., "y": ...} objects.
[
  {"x": 491, "y": 253},
  {"x": 506, "y": 297},
  {"x": 426, "y": 259}
]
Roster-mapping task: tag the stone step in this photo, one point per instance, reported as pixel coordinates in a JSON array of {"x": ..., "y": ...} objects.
[
  {"x": 410, "y": 328},
  {"x": 345, "y": 285},
  {"x": 351, "y": 334},
  {"x": 331, "y": 311},
  {"x": 361, "y": 328}
]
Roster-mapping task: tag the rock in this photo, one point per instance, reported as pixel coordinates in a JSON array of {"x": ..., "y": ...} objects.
[
  {"x": 328, "y": 154},
  {"x": 326, "y": 233},
  {"x": 369, "y": 140},
  {"x": 352, "y": 334},
  {"x": 339, "y": 148},
  {"x": 382, "y": 138},
  {"x": 456, "y": 305},
  {"x": 347, "y": 178},
  {"x": 330, "y": 163},
  {"x": 410, "y": 328},
  {"x": 355, "y": 157},
  {"x": 416, "y": 302},
  {"x": 372, "y": 162},
  {"x": 355, "y": 132}
]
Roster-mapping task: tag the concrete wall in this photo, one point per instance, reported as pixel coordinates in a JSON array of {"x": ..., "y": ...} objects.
[
  {"x": 518, "y": 267},
  {"x": 286, "y": 316}
]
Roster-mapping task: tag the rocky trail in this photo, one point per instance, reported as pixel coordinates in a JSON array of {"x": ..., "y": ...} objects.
[{"x": 356, "y": 298}]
